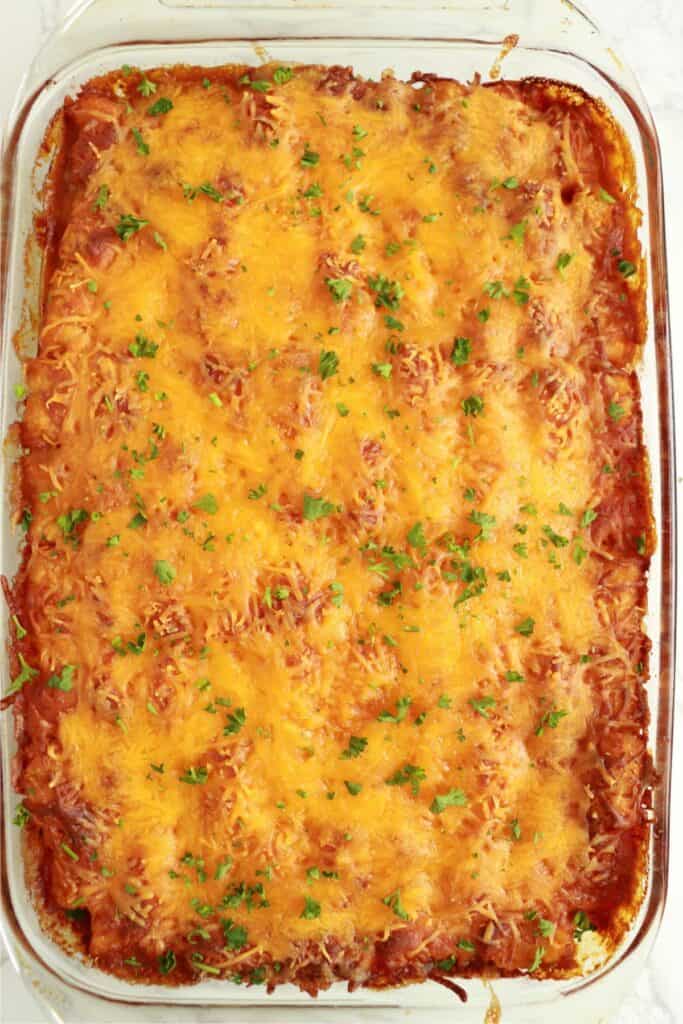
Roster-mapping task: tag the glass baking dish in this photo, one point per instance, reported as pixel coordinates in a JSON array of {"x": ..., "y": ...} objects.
[{"x": 556, "y": 39}]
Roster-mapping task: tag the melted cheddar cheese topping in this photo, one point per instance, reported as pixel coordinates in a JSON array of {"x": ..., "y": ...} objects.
[{"x": 337, "y": 529}]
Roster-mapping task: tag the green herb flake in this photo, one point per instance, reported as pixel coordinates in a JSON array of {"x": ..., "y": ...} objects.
[
  {"x": 582, "y": 924},
  {"x": 309, "y": 159},
  {"x": 453, "y": 798},
  {"x": 235, "y": 720},
  {"x": 140, "y": 143},
  {"x": 517, "y": 232},
  {"x": 311, "y": 909},
  {"x": 357, "y": 745},
  {"x": 129, "y": 225},
  {"x": 195, "y": 776},
  {"x": 102, "y": 197},
  {"x": 409, "y": 774},
  {"x": 167, "y": 962},
  {"x": 460, "y": 353},
  {"x": 563, "y": 260},
  {"x": 473, "y": 405},
  {"x": 340, "y": 288},
  {"x": 160, "y": 106},
  {"x": 328, "y": 364},
  {"x": 550, "y": 720},
  {"x": 402, "y": 705},
  {"x": 62, "y": 680},
  {"x": 393, "y": 901},
  {"x": 164, "y": 571},
  {"x": 317, "y": 508},
  {"x": 626, "y": 268}
]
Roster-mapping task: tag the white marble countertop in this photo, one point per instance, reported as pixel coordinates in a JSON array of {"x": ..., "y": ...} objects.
[{"x": 649, "y": 34}]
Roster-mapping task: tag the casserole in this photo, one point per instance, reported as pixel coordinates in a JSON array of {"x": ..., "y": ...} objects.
[{"x": 411, "y": 57}]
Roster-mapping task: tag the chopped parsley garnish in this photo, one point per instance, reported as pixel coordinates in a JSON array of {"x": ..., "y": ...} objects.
[
  {"x": 416, "y": 538},
  {"x": 257, "y": 492},
  {"x": 167, "y": 962},
  {"x": 520, "y": 292},
  {"x": 626, "y": 268},
  {"x": 160, "y": 106},
  {"x": 525, "y": 627},
  {"x": 164, "y": 571},
  {"x": 236, "y": 719},
  {"x": 495, "y": 290},
  {"x": 129, "y": 225},
  {"x": 389, "y": 293},
  {"x": 551, "y": 720},
  {"x": 517, "y": 232},
  {"x": 328, "y": 364},
  {"x": 354, "y": 788},
  {"x": 207, "y": 503},
  {"x": 102, "y": 197},
  {"x": 309, "y": 159},
  {"x": 358, "y": 244},
  {"x": 317, "y": 508},
  {"x": 195, "y": 776},
  {"x": 342, "y": 409},
  {"x": 282, "y": 75},
  {"x": 207, "y": 189},
  {"x": 588, "y": 517},
  {"x": 63, "y": 680},
  {"x": 235, "y": 935},
  {"x": 514, "y": 677},
  {"x": 140, "y": 143},
  {"x": 582, "y": 924},
  {"x": 473, "y": 405},
  {"x": 382, "y": 370},
  {"x": 402, "y": 705},
  {"x": 538, "y": 959},
  {"x": 68, "y": 522},
  {"x": 146, "y": 88},
  {"x": 143, "y": 348},
  {"x": 357, "y": 745},
  {"x": 460, "y": 353},
  {"x": 257, "y": 84},
  {"x": 484, "y": 521},
  {"x": 393, "y": 901},
  {"x": 453, "y": 798},
  {"x": 482, "y": 704},
  {"x": 606, "y": 197},
  {"x": 25, "y": 674},
  {"x": 340, "y": 288},
  {"x": 556, "y": 539},
  {"x": 21, "y": 816},
  {"x": 311, "y": 909},
  {"x": 615, "y": 411},
  {"x": 563, "y": 260},
  {"x": 409, "y": 774}
]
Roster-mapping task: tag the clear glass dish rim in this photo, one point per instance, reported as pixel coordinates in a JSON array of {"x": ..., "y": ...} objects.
[{"x": 658, "y": 336}]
